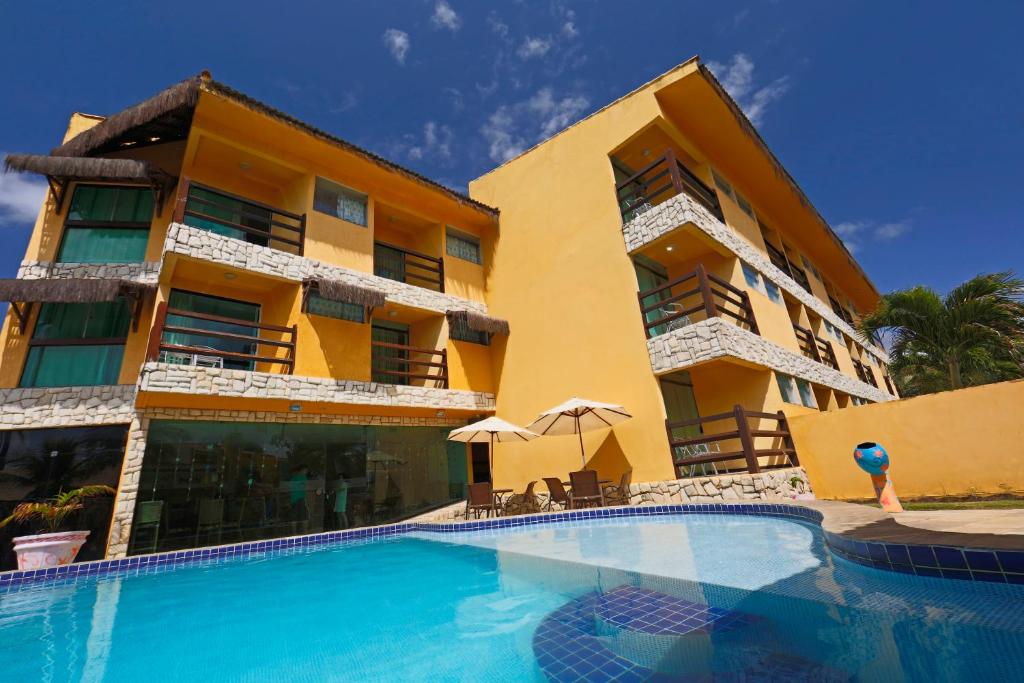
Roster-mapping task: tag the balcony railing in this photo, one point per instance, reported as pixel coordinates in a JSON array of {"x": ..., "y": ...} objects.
[
  {"x": 400, "y": 364},
  {"x": 888, "y": 385},
  {"x": 814, "y": 347},
  {"x": 738, "y": 442},
  {"x": 840, "y": 311},
  {"x": 224, "y": 341},
  {"x": 664, "y": 177},
  {"x": 228, "y": 214},
  {"x": 781, "y": 261},
  {"x": 865, "y": 373},
  {"x": 406, "y": 265},
  {"x": 698, "y": 294}
]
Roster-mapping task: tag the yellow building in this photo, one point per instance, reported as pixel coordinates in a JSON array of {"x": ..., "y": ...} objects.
[{"x": 256, "y": 329}]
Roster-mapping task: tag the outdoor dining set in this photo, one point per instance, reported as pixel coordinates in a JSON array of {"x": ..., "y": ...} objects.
[{"x": 584, "y": 488}]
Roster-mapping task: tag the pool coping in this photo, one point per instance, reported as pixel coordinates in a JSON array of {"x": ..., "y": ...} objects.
[{"x": 854, "y": 532}]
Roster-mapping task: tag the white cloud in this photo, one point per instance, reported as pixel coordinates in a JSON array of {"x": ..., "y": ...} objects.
[
  {"x": 533, "y": 47},
  {"x": 513, "y": 128},
  {"x": 737, "y": 77},
  {"x": 856, "y": 234},
  {"x": 436, "y": 145},
  {"x": 20, "y": 198},
  {"x": 569, "y": 29},
  {"x": 498, "y": 26},
  {"x": 890, "y": 231},
  {"x": 456, "y": 97},
  {"x": 397, "y": 43},
  {"x": 445, "y": 17}
]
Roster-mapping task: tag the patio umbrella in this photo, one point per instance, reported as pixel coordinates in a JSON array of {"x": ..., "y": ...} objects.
[
  {"x": 578, "y": 415},
  {"x": 487, "y": 430}
]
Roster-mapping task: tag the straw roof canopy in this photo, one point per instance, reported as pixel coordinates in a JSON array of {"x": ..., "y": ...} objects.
[
  {"x": 88, "y": 168},
  {"x": 336, "y": 290},
  {"x": 478, "y": 322},
  {"x": 70, "y": 290}
]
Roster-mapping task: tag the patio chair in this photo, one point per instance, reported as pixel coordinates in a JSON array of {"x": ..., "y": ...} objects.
[
  {"x": 697, "y": 451},
  {"x": 586, "y": 490},
  {"x": 211, "y": 516},
  {"x": 618, "y": 495},
  {"x": 148, "y": 519},
  {"x": 678, "y": 323},
  {"x": 481, "y": 499},
  {"x": 557, "y": 494}
]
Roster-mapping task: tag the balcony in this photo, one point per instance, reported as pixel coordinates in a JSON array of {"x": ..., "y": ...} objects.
[
  {"x": 663, "y": 178},
  {"x": 814, "y": 347},
  {"x": 182, "y": 337},
  {"x": 739, "y": 447},
  {"x": 408, "y": 266},
  {"x": 230, "y": 215},
  {"x": 695, "y": 296},
  {"x": 865, "y": 373},
  {"x": 781, "y": 261},
  {"x": 394, "y": 363}
]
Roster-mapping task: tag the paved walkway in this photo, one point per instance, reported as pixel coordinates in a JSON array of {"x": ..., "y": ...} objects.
[{"x": 965, "y": 521}]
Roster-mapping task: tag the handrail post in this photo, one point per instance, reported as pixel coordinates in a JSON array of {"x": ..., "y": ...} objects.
[
  {"x": 440, "y": 273},
  {"x": 832, "y": 356},
  {"x": 643, "y": 317},
  {"x": 293, "y": 351},
  {"x": 813, "y": 342},
  {"x": 746, "y": 440},
  {"x": 156, "y": 332},
  {"x": 705, "y": 290},
  {"x": 787, "y": 440},
  {"x": 180, "y": 200},
  {"x": 749, "y": 310},
  {"x": 444, "y": 368},
  {"x": 671, "y": 449},
  {"x": 302, "y": 235},
  {"x": 673, "y": 170}
]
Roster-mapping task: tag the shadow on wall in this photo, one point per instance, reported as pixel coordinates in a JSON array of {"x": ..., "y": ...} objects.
[{"x": 609, "y": 460}]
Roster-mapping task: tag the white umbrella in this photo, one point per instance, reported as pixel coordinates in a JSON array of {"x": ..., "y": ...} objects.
[
  {"x": 489, "y": 429},
  {"x": 578, "y": 415}
]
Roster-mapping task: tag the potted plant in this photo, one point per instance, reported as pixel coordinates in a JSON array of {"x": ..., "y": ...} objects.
[{"x": 52, "y": 547}]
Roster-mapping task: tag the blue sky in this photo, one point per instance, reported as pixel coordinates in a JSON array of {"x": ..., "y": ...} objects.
[{"x": 901, "y": 120}]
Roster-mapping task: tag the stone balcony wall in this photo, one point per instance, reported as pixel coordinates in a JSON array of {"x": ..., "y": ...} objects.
[
  {"x": 716, "y": 338},
  {"x": 186, "y": 379},
  {"x": 682, "y": 209},
  {"x": 148, "y": 271},
  {"x": 207, "y": 246},
  {"x": 39, "y": 408}
]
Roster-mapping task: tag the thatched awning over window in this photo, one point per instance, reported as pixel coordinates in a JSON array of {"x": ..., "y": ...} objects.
[
  {"x": 166, "y": 116},
  {"x": 70, "y": 290},
  {"x": 478, "y": 322},
  {"x": 89, "y": 168},
  {"x": 336, "y": 290}
]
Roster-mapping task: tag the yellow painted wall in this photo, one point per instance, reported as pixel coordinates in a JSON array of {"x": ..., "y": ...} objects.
[{"x": 969, "y": 441}]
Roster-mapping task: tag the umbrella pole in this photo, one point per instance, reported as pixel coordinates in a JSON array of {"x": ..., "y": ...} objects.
[
  {"x": 583, "y": 455},
  {"x": 490, "y": 456}
]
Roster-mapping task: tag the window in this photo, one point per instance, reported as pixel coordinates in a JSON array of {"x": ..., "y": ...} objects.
[
  {"x": 744, "y": 205},
  {"x": 796, "y": 391},
  {"x": 858, "y": 401},
  {"x": 328, "y": 308},
  {"x": 107, "y": 224},
  {"x": 752, "y": 277},
  {"x": 340, "y": 202},
  {"x": 460, "y": 331},
  {"x": 773, "y": 291},
  {"x": 721, "y": 183},
  {"x": 463, "y": 246},
  {"x": 204, "y": 304},
  {"x": 810, "y": 267},
  {"x": 834, "y": 331},
  {"x": 759, "y": 282},
  {"x": 59, "y": 354}
]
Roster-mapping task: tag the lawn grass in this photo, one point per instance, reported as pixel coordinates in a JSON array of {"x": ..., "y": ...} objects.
[{"x": 978, "y": 504}]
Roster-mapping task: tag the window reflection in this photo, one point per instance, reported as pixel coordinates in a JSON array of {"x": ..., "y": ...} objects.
[{"x": 206, "y": 483}]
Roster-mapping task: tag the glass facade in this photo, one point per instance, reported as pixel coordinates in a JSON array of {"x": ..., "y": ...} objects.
[
  {"x": 107, "y": 224},
  {"x": 39, "y": 463},
  {"x": 204, "y": 483}
]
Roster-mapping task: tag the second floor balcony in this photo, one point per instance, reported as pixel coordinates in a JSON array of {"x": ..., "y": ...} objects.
[
  {"x": 814, "y": 347},
  {"x": 408, "y": 266},
  {"x": 692, "y": 297},
  {"x": 662, "y": 179}
]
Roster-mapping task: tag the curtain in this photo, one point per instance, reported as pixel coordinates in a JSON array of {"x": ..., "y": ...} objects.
[
  {"x": 72, "y": 366},
  {"x": 103, "y": 245}
]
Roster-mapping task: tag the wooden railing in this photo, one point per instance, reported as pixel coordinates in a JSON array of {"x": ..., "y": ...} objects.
[
  {"x": 196, "y": 355},
  {"x": 840, "y": 311},
  {"x": 697, "y": 294},
  {"x": 406, "y": 265},
  {"x": 721, "y": 447},
  {"x": 664, "y": 177},
  {"x": 781, "y": 261},
  {"x": 888, "y": 385},
  {"x": 865, "y": 373},
  {"x": 814, "y": 347},
  {"x": 261, "y": 224},
  {"x": 423, "y": 366}
]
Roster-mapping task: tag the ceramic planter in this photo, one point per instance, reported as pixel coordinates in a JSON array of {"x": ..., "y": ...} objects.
[{"x": 43, "y": 551}]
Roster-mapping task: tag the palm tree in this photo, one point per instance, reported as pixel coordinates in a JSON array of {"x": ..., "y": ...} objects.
[{"x": 973, "y": 335}]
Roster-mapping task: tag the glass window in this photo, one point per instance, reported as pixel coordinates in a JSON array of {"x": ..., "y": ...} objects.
[
  {"x": 317, "y": 305},
  {"x": 204, "y": 483},
  {"x": 103, "y": 245},
  {"x": 744, "y": 205},
  {"x": 110, "y": 204},
  {"x": 240, "y": 311},
  {"x": 459, "y": 331},
  {"x": 340, "y": 202},
  {"x": 463, "y": 246},
  {"x": 796, "y": 391},
  {"x": 806, "y": 393},
  {"x": 58, "y": 358},
  {"x": 39, "y": 463},
  {"x": 774, "y": 293},
  {"x": 752, "y": 277},
  {"x": 722, "y": 183}
]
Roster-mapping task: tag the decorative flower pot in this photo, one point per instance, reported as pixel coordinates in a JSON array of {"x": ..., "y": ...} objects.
[{"x": 43, "y": 551}]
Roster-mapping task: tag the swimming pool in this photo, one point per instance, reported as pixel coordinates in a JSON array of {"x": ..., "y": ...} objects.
[{"x": 676, "y": 597}]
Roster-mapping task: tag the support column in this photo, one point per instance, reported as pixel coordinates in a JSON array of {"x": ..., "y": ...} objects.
[{"x": 128, "y": 488}]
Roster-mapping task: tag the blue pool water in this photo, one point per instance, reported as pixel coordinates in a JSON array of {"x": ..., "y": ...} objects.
[{"x": 692, "y": 597}]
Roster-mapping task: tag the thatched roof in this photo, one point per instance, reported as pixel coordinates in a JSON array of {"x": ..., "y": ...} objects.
[
  {"x": 70, "y": 290},
  {"x": 478, "y": 322},
  {"x": 180, "y": 98},
  {"x": 336, "y": 290},
  {"x": 88, "y": 168}
]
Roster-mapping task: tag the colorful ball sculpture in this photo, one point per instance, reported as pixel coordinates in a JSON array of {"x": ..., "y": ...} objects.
[{"x": 871, "y": 458}]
